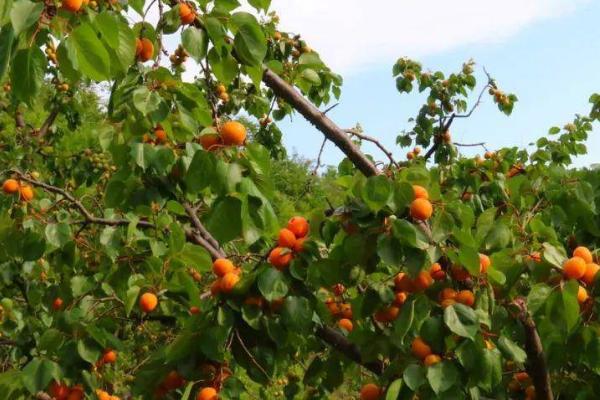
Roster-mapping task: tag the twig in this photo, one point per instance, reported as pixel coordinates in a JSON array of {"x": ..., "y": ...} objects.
[
  {"x": 330, "y": 108},
  {"x": 89, "y": 217},
  {"x": 318, "y": 164},
  {"x": 482, "y": 144},
  {"x": 362, "y": 136},
  {"x": 241, "y": 342},
  {"x": 202, "y": 231},
  {"x": 159, "y": 35}
]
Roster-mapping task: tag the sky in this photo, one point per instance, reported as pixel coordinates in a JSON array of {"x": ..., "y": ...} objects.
[{"x": 547, "y": 52}]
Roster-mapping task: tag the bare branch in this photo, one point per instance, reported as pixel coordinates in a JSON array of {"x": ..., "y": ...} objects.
[
  {"x": 362, "y": 136},
  {"x": 256, "y": 363},
  {"x": 482, "y": 144},
  {"x": 331, "y": 108},
  {"x": 331, "y": 131},
  {"x": 318, "y": 164}
]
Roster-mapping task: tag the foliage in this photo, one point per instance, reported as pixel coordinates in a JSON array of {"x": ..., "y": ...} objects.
[{"x": 428, "y": 280}]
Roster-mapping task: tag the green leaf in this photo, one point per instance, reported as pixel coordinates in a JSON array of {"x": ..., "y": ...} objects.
[
  {"x": 27, "y": 73},
  {"x": 196, "y": 256},
  {"x": 148, "y": 102},
  {"x": 92, "y": 59},
  {"x": 200, "y": 172},
  {"x": 272, "y": 284},
  {"x": 554, "y": 255},
  {"x": 88, "y": 350},
  {"x": 376, "y": 192},
  {"x": 461, "y": 320},
  {"x": 469, "y": 258},
  {"x": 511, "y": 350},
  {"x": 107, "y": 24},
  {"x": 7, "y": 37},
  {"x": 81, "y": 285},
  {"x": 297, "y": 314},
  {"x": 131, "y": 298},
  {"x": 250, "y": 44},
  {"x": 393, "y": 390},
  {"x": 414, "y": 376},
  {"x": 442, "y": 376},
  {"x": 313, "y": 77},
  {"x": 224, "y": 220},
  {"x": 409, "y": 235},
  {"x": 225, "y": 68},
  {"x": 537, "y": 297},
  {"x": 195, "y": 41},
  {"x": 38, "y": 373},
  {"x": 58, "y": 234},
  {"x": 498, "y": 238},
  {"x": 23, "y": 14}
]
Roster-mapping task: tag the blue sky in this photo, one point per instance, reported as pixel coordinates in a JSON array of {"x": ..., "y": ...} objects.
[{"x": 547, "y": 54}]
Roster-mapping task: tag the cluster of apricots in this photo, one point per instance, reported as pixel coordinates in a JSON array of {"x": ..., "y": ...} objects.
[
  {"x": 421, "y": 208},
  {"x": 148, "y": 302},
  {"x": 12, "y": 186},
  {"x": 187, "y": 14},
  {"x": 160, "y": 136},
  {"x": 144, "y": 49},
  {"x": 228, "y": 275},
  {"x": 231, "y": 133},
  {"x": 171, "y": 382},
  {"x": 582, "y": 267},
  {"x": 51, "y": 52},
  {"x": 522, "y": 382},
  {"x": 411, "y": 155},
  {"x": 291, "y": 240},
  {"x": 61, "y": 391},
  {"x": 339, "y": 309},
  {"x": 222, "y": 94},
  {"x": 421, "y": 350}
]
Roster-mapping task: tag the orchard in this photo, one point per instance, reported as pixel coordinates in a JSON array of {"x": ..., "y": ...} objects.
[{"x": 148, "y": 249}]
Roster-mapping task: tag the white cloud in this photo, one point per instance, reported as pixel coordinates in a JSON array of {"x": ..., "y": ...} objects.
[{"x": 354, "y": 34}]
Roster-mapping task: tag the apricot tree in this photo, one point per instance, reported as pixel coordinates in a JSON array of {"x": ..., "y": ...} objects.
[{"x": 142, "y": 256}]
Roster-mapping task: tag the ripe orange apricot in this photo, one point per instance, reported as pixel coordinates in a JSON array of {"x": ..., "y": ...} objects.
[
  {"x": 194, "y": 310},
  {"x": 436, "y": 272},
  {"x": 422, "y": 281},
  {"x": 161, "y": 135},
  {"x": 584, "y": 253},
  {"x": 299, "y": 245},
  {"x": 233, "y": 133},
  {"x": 521, "y": 376},
  {"x": 59, "y": 391},
  {"x": 421, "y": 209},
  {"x": 210, "y": 141},
  {"x": 370, "y": 391},
  {"x": 591, "y": 270},
  {"x": 280, "y": 257},
  {"x": 147, "y": 50},
  {"x": 403, "y": 283},
  {"x": 387, "y": 314},
  {"x": 76, "y": 393},
  {"x": 346, "y": 310},
  {"x": 419, "y": 348},
  {"x": 447, "y": 293},
  {"x": 26, "y": 193},
  {"x": 109, "y": 357},
  {"x": 57, "y": 304},
  {"x": 465, "y": 297},
  {"x": 345, "y": 324},
  {"x": 173, "y": 381},
  {"x": 138, "y": 47},
  {"x": 431, "y": 360},
  {"x": 207, "y": 393},
  {"x": 102, "y": 395},
  {"x": 574, "y": 268},
  {"x": 10, "y": 186},
  {"x": 333, "y": 307},
  {"x": 420, "y": 192},
  {"x": 400, "y": 298},
  {"x": 299, "y": 226},
  {"x": 286, "y": 238},
  {"x": 148, "y": 302},
  {"x": 582, "y": 295},
  {"x": 447, "y": 303},
  {"x": 484, "y": 263},
  {"x": 72, "y": 5},
  {"x": 229, "y": 281},
  {"x": 222, "y": 266},
  {"x": 186, "y": 14}
]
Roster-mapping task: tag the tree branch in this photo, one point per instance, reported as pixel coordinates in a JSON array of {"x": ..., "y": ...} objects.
[
  {"x": 88, "y": 216},
  {"x": 48, "y": 122},
  {"x": 536, "y": 366},
  {"x": 203, "y": 232},
  {"x": 331, "y": 131},
  {"x": 355, "y": 132}
]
